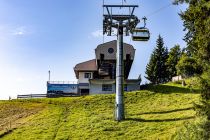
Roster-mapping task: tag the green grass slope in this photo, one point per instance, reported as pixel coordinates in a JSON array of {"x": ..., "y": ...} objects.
[{"x": 157, "y": 113}]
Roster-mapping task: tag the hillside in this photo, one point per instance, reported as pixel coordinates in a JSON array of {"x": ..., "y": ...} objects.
[{"x": 157, "y": 113}]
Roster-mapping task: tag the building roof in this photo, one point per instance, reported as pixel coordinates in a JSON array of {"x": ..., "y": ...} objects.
[
  {"x": 85, "y": 66},
  {"x": 91, "y": 65},
  {"x": 104, "y": 49},
  {"x": 113, "y": 43}
]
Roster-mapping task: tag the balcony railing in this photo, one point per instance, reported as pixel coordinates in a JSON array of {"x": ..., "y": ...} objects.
[{"x": 61, "y": 82}]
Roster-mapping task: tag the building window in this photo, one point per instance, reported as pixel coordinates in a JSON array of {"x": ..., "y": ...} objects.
[
  {"x": 88, "y": 75},
  {"x": 110, "y": 50},
  {"x": 125, "y": 87},
  {"x": 101, "y": 57},
  {"x": 107, "y": 87}
]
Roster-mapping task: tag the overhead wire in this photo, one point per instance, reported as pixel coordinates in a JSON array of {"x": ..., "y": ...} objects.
[
  {"x": 148, "y": 15},
  {"x": 155, "y": 12},
  {"x": 103, "y": 25},
  {"x": 158, "y": 10}
]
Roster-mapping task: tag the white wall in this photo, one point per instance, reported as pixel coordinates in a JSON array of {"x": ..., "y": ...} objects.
[
  {"x": 176, "y": 78},
  {"x": 82, "y": 78},
  {"x": 133, "y": 87},
  {"x": 97, "y": 89}
]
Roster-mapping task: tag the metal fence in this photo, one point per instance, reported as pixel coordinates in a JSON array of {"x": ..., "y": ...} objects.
[
  {"x": 61, "y": 82},
  {"x": 29, "y": 96},
  {"x": 26, "y": 96}
]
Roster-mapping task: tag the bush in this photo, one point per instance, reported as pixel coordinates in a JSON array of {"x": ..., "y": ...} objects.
[{"x": 188, "y": 66}]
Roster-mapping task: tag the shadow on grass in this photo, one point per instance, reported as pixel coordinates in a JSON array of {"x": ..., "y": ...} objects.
[
  {"x": 6, "y": 133},
  {"x": 161, "y": 112},
  {"x": 159, "y": 120},
  {"x": 164, "y": 112},
  {"x": 170, "y": 89}
]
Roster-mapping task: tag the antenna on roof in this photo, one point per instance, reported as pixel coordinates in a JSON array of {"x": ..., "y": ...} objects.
[{"x": 49, "y": 75}]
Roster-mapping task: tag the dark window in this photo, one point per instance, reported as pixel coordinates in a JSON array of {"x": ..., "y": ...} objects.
[
  {"x": 125, "y": 87},
  {"x": 110, "y": 50},
  {"x": 88, "y": 75},
  {"x": 107, "y": 87},
  {"x": 128, "y": 56},
  {"x": 84, "y": 91},
  {"x": 101, "y": 56}
]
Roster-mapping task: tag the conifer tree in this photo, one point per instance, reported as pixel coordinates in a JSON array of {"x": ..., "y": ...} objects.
[
  {"x": 197, "y": 24},
  {"x": 156, "y": 69},
  {"x": 151, "y": 75},
  {"x": 173, "y": 58}
]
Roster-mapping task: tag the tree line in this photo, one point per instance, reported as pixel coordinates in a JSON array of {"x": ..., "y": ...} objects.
[
  {"x": 196, "y": 21},
  {"x": 194, "y": 60},
  {"x": 164, "y": 64}
]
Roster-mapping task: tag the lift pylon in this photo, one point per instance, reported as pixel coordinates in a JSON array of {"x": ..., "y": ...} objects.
[{"x": 122, "y": 23}]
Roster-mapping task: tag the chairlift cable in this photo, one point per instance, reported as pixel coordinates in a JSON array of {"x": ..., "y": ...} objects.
[
  {"x": 103, "y": 14},
  {"x": 158, "y": 10},
  {"x": 130, "y": 39}
]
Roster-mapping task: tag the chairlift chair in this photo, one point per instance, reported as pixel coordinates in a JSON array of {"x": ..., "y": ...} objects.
[{"x": 140, "y": 34}]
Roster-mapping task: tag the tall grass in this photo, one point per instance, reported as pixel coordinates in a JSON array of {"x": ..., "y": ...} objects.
[{"x": 157, "y": 113}]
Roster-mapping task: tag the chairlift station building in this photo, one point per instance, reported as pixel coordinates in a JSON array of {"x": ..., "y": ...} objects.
[{"x": 97, "y": 76}]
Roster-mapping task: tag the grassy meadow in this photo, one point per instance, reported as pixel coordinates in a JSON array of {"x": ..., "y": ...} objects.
[{"x": 157, "y": 113}]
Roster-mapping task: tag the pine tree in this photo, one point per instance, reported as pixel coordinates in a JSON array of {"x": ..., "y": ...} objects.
[
  {"x": 156, "y": 69},
  {"x": 173, "y": 58},
  {"x": 196, "y": 22},
  {"x": 150, "y": 69}
]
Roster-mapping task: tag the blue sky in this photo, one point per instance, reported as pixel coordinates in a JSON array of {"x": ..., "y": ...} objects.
[{"x": 41, "y": 35}]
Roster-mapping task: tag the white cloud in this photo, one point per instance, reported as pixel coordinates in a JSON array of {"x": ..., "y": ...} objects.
[
  {"x": 7, "y": 31},
  {"x": 97, "y": 33},
  {"x": 22, "y": 30}
]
